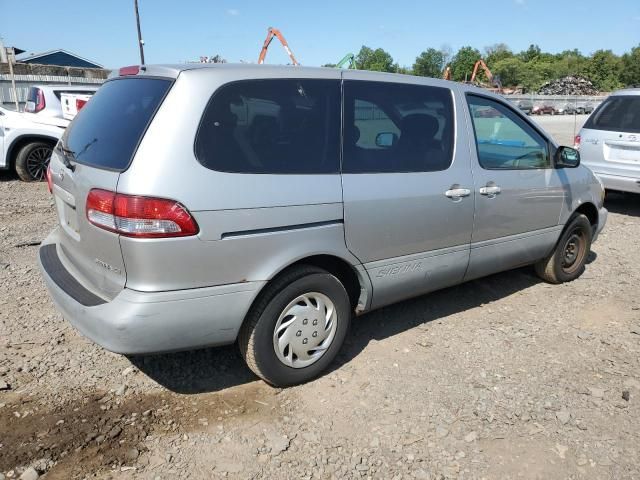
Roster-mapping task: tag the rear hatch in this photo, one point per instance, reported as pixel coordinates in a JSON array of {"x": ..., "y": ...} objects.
[
  {"x": 97, "y": 146},
  {"x": 610, "y": 139}
]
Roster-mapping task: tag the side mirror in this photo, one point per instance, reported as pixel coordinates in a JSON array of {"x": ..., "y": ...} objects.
[
  {"x": 386, "y": 139},
  {"x": 567, "y": 157}
]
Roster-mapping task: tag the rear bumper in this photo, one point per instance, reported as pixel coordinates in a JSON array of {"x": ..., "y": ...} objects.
[
  {"x": 142, "y": 322},
  {"x": 620, "y": 183}
]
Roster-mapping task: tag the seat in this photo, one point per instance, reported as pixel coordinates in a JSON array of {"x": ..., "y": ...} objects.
[{"x": 418, "y": 149}]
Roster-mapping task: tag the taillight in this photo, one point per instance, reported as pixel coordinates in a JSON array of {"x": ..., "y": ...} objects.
[
  {"x": 49, "y": 179},
  {"x": 79, "y": 104},
  {"x": 138, "y": 216},
  {"x": 40, "y": 103},
  {"x": 131, "y": 70},
  {"x": 576, "y": 142}
]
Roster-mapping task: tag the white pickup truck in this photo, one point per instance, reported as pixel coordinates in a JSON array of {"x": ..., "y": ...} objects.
[{"x": 72, "y": 103}]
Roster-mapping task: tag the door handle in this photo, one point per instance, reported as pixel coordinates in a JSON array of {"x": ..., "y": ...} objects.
[
  {"x": 492, "y": 190},
  {"x": 458, "y": 192}
]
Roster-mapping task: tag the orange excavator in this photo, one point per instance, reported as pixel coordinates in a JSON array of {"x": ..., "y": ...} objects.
[
  {"x": 271, "y": 34},
  {"x": 493, "y": 80}
]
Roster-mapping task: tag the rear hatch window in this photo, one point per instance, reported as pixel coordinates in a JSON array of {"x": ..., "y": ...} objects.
[
  {"x": 107, "y": 131},
  {"x": 617, "y": 114}
]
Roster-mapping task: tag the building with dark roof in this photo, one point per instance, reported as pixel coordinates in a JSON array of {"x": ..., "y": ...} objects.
[{"x": 61, "y": 58}]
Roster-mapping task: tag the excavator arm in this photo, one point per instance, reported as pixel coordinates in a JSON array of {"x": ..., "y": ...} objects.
[
  {"x": 349, "y": 58},
  {"x": 493, "y": 80},
  {"x": 271, "y": 34},
  {"x": 480, "y": 63}
]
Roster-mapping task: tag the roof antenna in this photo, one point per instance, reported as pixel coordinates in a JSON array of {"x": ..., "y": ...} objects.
[{"x": 140, "y": 40}]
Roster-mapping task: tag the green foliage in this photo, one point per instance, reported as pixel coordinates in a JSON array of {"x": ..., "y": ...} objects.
[
  {"x": 377, "y": 60},
  {"x": 630, "y": 75},
  {"x": 496, "y": 53},
  {"x": 463, "y": 62},
  {"x": 529, "y": 69},
  {"x": 429, "y": 63},
  {"x": 511, "y": 70},
  {"x": 530, "y": 54},
  {"x": 603, "y": 69}
]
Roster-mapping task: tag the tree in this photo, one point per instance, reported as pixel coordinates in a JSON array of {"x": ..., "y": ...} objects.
[
  {"x": 604, "y": 69},
  {"x": 569, "y": 62},
  {"x": 512, "y": 71},
  {"x": 463, "y": 62},
  {"x": 447, "y": 53},
  {"x": 496, "y": 53},
  {"x": 630, "y": 74},
  {"x": 377, "y": 60},
  {"x": 429, "y": 63},
  {"x": 530, "y": 53},
  {"x": 537, "y": 73}
]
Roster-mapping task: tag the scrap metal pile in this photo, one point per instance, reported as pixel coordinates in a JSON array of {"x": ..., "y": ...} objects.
[{"x": 568, "y": 86}]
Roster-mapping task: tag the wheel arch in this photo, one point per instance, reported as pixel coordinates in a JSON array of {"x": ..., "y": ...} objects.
[
  {"x": 355, "y": 281},
  {"x": 19, "y": 142},
  {"x": 589, "y": 210}
]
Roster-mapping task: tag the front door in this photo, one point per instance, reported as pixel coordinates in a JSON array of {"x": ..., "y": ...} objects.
[
  {"x": 407, "y": 187},
  {"x": 518, "y": 193}
]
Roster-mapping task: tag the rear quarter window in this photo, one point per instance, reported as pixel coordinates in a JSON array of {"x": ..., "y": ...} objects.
[
  {"x": 278, "y": 126},
  {"x": 618, "y": 114},
  {"x": 106, "y": 132}
]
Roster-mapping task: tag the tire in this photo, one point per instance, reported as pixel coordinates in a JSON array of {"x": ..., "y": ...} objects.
[
  {"x": 267, "y": 322},
  {"x": 567, "y": 260},
  {"x": 32, "y": 161}
]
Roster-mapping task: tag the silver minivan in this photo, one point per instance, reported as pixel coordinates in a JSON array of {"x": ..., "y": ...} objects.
[
  {"x": 203, "y": 205},
  {"x": 610, "y": 141}
]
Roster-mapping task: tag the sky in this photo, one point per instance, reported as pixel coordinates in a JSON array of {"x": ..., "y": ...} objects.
[{"x": 318, "y": 32}]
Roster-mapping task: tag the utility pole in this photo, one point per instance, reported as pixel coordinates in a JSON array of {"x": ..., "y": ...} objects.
[
  {"x": 11, "y": 54},
  {"x": 140, "y": 41}
]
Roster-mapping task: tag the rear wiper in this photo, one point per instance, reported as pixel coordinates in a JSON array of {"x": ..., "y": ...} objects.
[{"x": 66, "y": 153}]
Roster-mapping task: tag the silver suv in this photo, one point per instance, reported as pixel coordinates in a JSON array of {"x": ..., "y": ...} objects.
[
  {"x": 610, "y": 141},
  {"x": 204, "y": 205}
]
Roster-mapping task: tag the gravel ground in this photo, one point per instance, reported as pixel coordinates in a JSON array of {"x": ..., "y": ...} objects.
[
  {"x": 563, "y": 127},
  {"x": 502, "y": 377}
]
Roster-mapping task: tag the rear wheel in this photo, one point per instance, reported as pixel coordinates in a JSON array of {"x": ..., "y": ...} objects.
[
  {"x": 568, "y": 259},
  {"x": 32, "y": 161},
  {"x": 296, "y": 327}
]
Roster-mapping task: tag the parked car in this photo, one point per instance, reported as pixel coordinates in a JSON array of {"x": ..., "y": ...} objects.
[
  {"x": 543, "y": 109},
  {"x": 278, "y": 202},
  {"x": 72, "y": 103},
  {"x": 566, "y": 109},
  {"x": 525, "y": 105},
  {"x": 610, "y": 141},
  {"x": 45, "y": 100},
  {"x": 26, "y": 145},
  {"x": 586, "y": 108}
]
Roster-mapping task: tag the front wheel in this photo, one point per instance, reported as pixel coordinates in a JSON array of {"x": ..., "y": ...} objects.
[
  {"x": 32, "y": 161},
  {"x": 296, "y": 327},
  {"x": 568, "y": 259}
]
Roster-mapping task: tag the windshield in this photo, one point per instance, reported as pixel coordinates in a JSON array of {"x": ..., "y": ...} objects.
[
  {"x": 618, "y": 114},
  {"x": 106, "y": 132}
]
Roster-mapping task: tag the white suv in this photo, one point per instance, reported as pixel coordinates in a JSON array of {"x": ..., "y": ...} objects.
[
  {"x": 610, "y": 141},
  {"x": 27, "y": 145}
]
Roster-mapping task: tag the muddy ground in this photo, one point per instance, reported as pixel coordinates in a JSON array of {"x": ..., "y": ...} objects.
[{"x": 503, "y": 377}]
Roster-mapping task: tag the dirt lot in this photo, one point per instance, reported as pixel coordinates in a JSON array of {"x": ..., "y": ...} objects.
[{"x": 504, "y": 377}]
